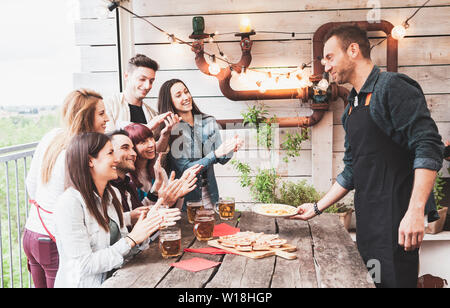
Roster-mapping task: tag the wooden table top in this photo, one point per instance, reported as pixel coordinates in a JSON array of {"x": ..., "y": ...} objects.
[{"x": 326, "y": 257}]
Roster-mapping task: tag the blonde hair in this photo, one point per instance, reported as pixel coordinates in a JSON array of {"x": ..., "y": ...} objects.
[{"x": 78, "y": 113}]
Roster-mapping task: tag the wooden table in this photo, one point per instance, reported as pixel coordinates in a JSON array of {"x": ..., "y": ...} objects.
[{"x": 327, "y": 257}]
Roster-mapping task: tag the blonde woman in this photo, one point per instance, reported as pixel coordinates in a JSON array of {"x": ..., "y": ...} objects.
[{"x": 83, "y": 111}]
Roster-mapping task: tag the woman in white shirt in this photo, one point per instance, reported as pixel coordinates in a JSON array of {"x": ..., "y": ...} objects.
[
  {"x": 90, "y": 233},
  {"x": 83, "y": 111}
]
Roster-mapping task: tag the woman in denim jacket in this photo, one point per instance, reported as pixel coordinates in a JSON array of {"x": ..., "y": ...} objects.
[{"x": 195, "y": 140}]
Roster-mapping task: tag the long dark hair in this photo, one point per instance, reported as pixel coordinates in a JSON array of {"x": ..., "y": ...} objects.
[
  {"x": 165, "y": 102},
  {"x": 79, "y": 177}
]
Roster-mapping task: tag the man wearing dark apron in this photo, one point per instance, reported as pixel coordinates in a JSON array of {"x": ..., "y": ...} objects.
[{"x": 393, "y": 152}]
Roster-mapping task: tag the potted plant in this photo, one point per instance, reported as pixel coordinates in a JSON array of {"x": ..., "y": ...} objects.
[
  {"x": 344, "y": 212},
  {"x": 438, "y": 191},
  {"x": 264, "y": 185},
  {"x": 438, "y": 225},
  {"x": 296, "y": 194}
]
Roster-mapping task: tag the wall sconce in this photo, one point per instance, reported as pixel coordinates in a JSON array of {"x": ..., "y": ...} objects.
[{"x": 245, "y": 25}]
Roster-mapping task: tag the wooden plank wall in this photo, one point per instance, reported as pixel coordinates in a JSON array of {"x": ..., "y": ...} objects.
[{"x": 423, "y": 55}]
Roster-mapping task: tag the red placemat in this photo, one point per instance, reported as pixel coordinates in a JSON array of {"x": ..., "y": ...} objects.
[
  {"x": 195, "y": 264},
  {"x": 224, "y": 229}
]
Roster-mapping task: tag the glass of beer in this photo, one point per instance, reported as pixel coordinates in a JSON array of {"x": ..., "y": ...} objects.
[
  {"x": 204, "y": 225},
  {"x": 170, "y": 242},
  {"x": 192, "y": 208},
  {"x": 225, "y": 208}
]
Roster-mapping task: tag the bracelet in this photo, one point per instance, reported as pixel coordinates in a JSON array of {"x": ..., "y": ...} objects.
[
  {"x": 152, "y": 196},
  {"x": 316, "y": 209},
  {"x": 132, "y": 240}
]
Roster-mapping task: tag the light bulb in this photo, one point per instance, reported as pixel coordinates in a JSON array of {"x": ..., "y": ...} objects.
[
  {"x": 214, "y": 68},
  {"x": 245, "y": 25},
  {"x": 262, "y": 86},
  {"x": 172, "y": 39},
  {"x": 323, "y": 84},
  {"x": 242, "y": 76},
  {"x": 398, "y": 32}
]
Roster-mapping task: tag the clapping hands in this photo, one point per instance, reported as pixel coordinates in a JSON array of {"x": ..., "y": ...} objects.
[
  {"x": 230, "y": 145},
  {"x": 168, "y": 118}
]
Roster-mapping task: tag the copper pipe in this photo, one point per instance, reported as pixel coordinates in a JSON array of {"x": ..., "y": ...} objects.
[
  {"x": 224, "y": 76},
  {"x": 233, "y": 95},
  {"x": 305, "y": 94}
]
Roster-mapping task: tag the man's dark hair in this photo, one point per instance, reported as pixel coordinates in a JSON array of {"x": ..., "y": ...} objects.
[
  {"x": 117, "y": 132},
  {"x": 347, "y": 35},
  {"x": 141, "y": 60}
]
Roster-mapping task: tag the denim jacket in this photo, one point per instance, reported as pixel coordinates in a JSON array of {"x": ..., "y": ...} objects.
[{"x": 196, "y": 145}]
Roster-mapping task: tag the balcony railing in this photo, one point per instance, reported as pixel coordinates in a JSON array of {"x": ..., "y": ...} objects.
[{"x": 14, "y": 164}]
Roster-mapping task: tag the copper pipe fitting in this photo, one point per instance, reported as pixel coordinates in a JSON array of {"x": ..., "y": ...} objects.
[{"x": 334, "y": 91}]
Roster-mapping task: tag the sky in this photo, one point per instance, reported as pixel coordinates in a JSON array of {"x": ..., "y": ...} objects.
[{"x": 38, "y": 55}]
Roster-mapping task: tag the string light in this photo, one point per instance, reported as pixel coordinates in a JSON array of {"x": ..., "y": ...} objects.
[
  {"x": 103, "y": 9},
  {"x": 113, "y": 5},
  {"x": 323, "y": 84},
  {"x": 298, "y": 73},
  {"x": 398, "y": 32},
  {"x": 214, "y": 68},
  {"x": 172, "y": 39},
  {"x": 243, "y": 75},
  {"x": 262, "y": 86}
]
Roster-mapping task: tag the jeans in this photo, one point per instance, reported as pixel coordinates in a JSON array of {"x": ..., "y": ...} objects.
[{"x": 43, "y": 259}]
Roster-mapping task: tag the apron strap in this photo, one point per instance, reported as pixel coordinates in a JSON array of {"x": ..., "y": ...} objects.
[
  {"x": 38, "y": 207},
  {"x": 367, "y": 103},
  {"x": 368, "y": 97}
]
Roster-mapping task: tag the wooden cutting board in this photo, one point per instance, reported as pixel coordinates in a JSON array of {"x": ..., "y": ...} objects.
[{"x": 284, "y": 251}]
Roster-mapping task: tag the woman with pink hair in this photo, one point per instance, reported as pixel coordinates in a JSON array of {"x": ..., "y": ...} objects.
[{"x": 149, "y": 176}]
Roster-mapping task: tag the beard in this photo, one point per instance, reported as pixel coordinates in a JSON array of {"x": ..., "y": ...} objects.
[
  {"x": 125, "y": 168},
  {"x": 344, "y": 72}
]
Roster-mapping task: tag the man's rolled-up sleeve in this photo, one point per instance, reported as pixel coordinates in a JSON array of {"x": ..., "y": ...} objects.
[
  {"x": 345, "y": 178},
  {"x": 413, "y": 126}
]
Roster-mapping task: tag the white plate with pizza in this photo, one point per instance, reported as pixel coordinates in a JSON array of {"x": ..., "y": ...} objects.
[{"x": 274, "y": 209}]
